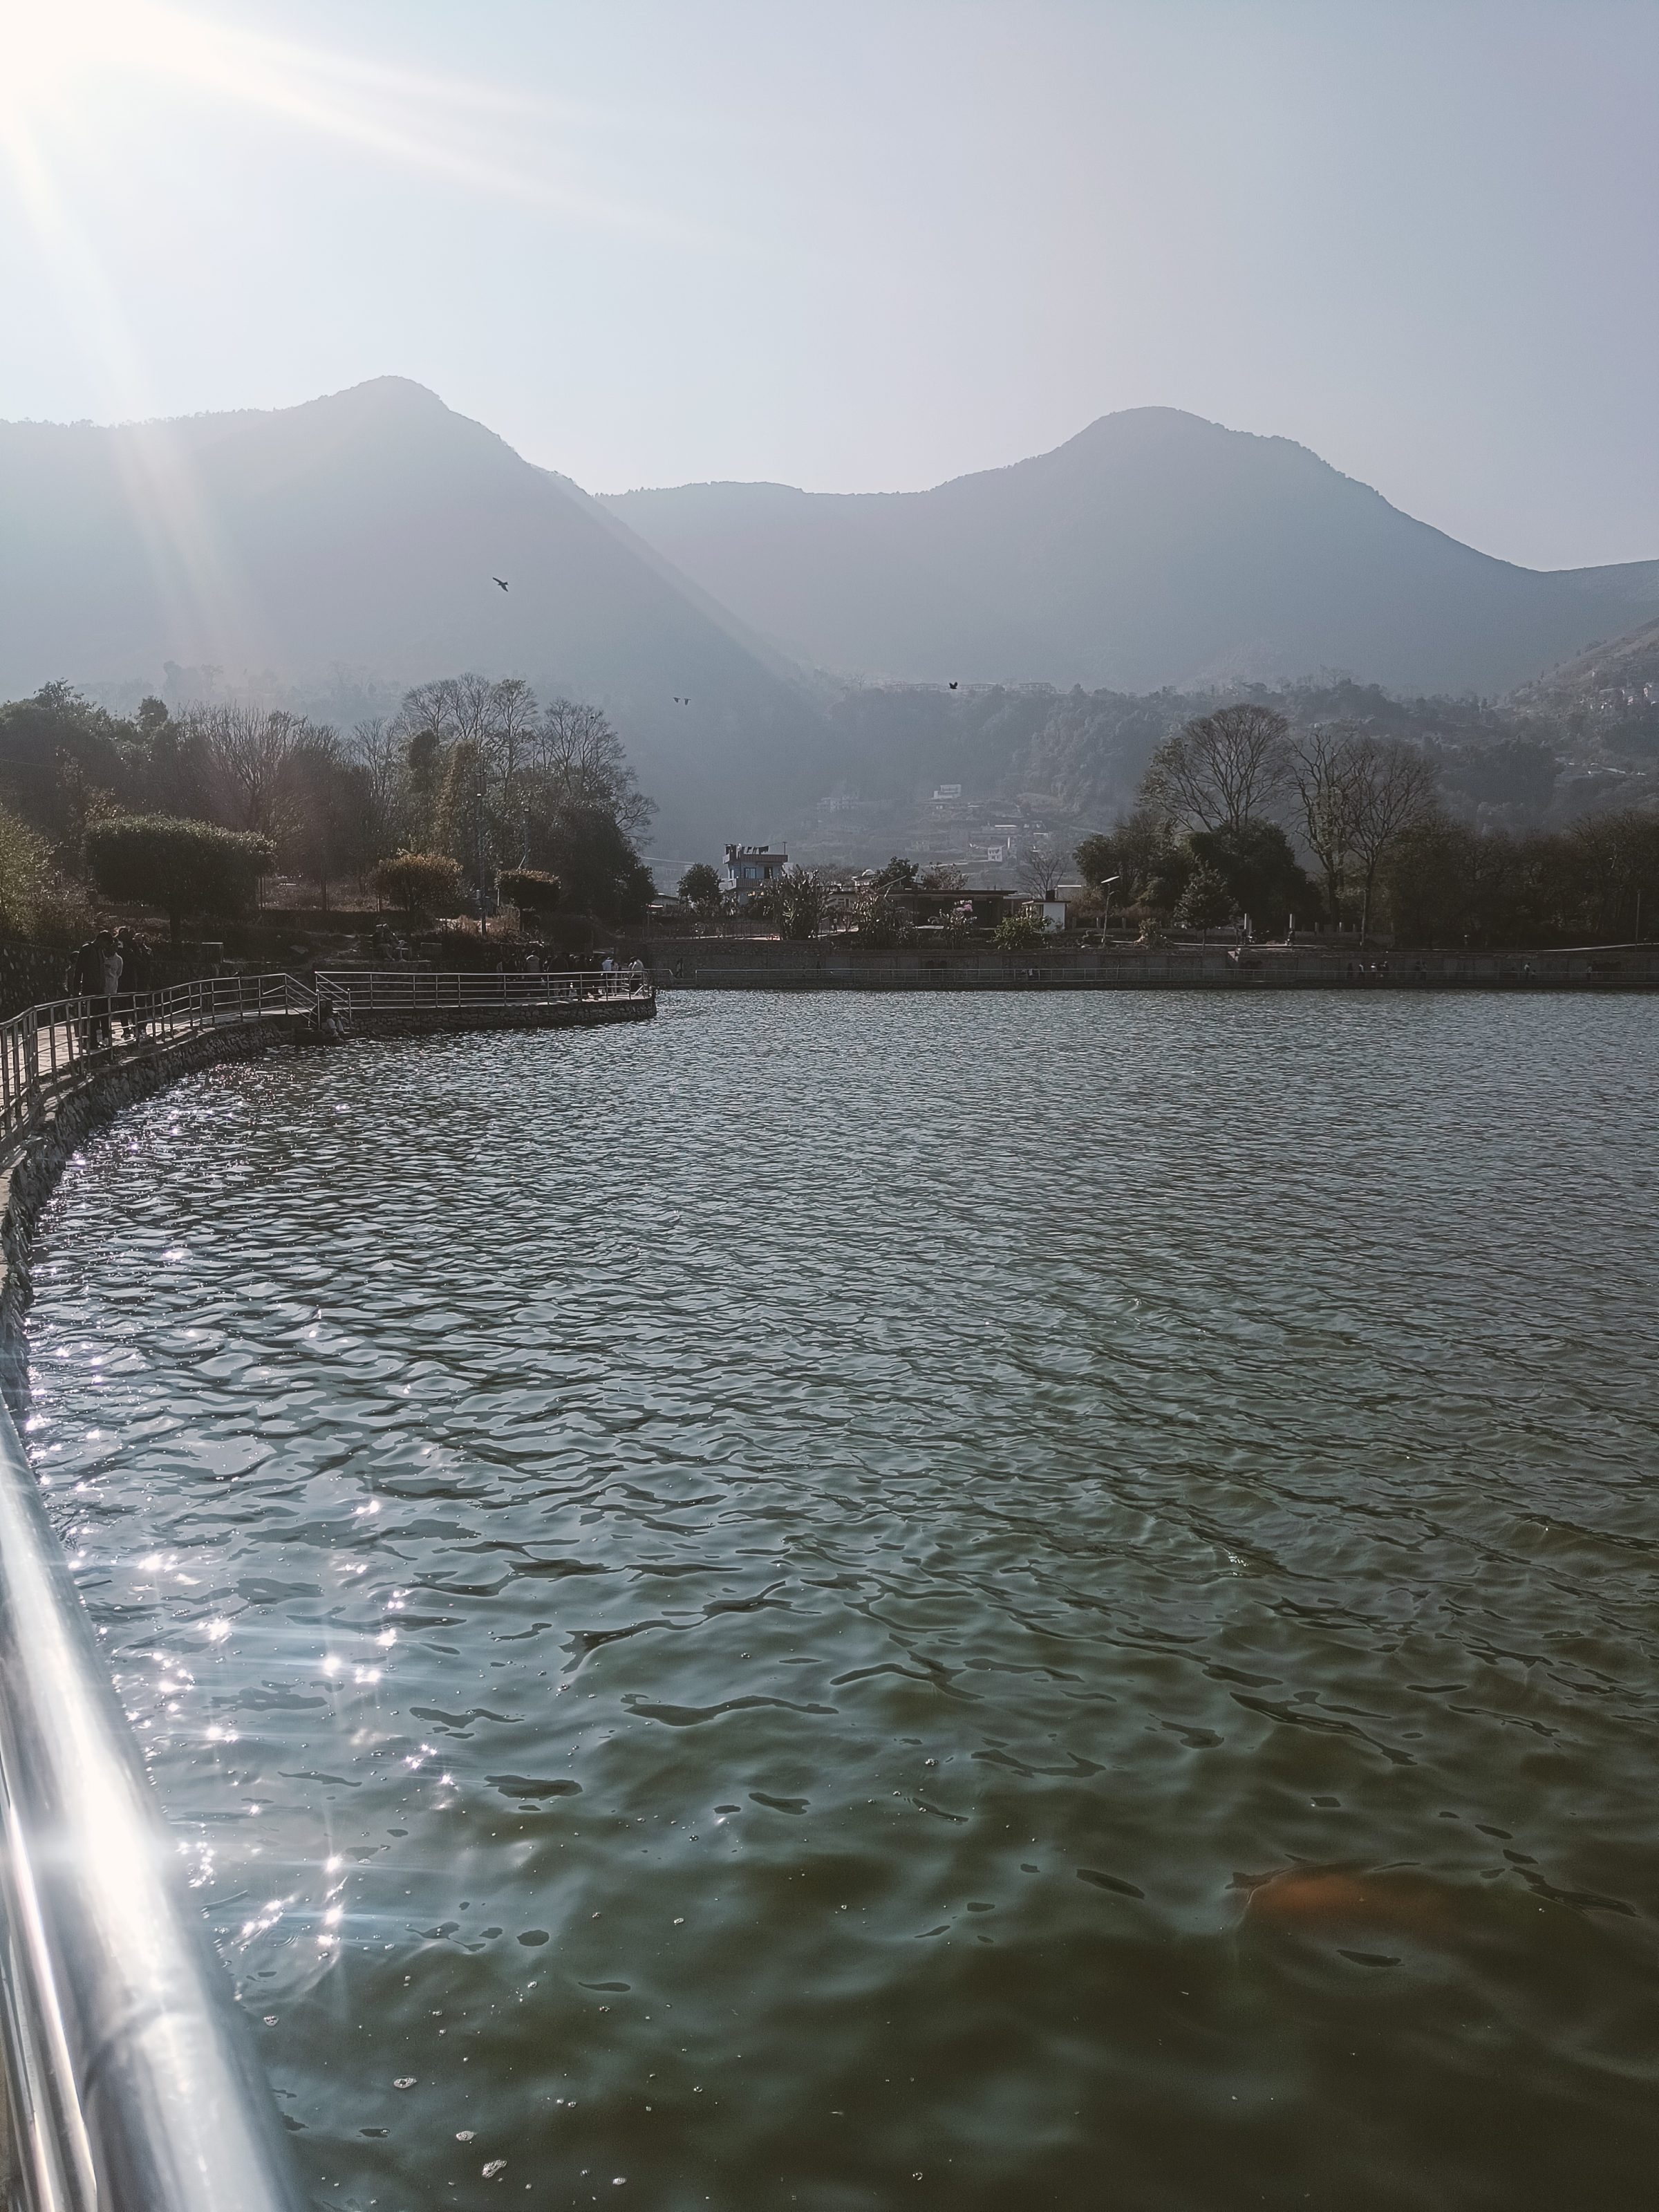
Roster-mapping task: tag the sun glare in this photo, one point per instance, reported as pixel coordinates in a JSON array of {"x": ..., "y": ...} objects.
[{"x": 55, "y": 58}]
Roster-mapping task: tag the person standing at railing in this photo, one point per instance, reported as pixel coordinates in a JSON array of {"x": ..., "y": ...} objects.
[
  {"x": 83, "y": 979},
  {"x": 136, "y": 970},
  {"x": 109, "y": 959}
]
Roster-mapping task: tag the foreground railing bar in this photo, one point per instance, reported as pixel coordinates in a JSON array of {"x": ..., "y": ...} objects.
[{"x": 132, "y": 2077}]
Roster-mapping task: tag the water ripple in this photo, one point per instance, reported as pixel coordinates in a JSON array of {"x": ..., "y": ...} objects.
[{"x": 1109, "y": 1544}]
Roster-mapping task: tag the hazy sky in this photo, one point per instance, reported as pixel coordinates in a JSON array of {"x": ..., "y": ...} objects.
[{"x": 868, "y": 246}]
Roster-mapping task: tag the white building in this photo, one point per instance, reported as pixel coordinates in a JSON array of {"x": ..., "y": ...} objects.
[{"x": 749, "y": 868}]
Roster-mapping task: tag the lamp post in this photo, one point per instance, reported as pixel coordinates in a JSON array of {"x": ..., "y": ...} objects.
[{"x": 1106, "y": 911}]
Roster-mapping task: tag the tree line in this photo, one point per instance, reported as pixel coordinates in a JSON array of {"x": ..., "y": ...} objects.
[
  {"x": 473, "y": 776},
  {"x": 1210, "y": 841}
]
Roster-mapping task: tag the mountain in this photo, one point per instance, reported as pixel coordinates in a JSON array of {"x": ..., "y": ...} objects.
[
  {"x": 1152, "y": 548},
  {"x": 1625, "y": 670},
  {"x": 354, "y": 540}
]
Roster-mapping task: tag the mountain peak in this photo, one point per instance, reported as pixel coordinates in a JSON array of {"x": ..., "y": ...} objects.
[{"x": 1152, "y": 547}]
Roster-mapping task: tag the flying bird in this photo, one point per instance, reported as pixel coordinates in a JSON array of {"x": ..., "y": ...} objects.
[
  {"x": 953, "y": 680},
  {"x": 502, "y": 580}
]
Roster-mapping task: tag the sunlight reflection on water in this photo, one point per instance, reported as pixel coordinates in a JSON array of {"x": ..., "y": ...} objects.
[{"x": 1007, "y": 1475}]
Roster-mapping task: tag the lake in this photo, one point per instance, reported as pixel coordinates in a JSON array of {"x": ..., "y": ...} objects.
[{"x": 1110, "y": 1541}]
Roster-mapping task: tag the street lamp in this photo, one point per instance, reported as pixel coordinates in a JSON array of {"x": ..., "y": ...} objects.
[{"x": 1106, "y": 911}]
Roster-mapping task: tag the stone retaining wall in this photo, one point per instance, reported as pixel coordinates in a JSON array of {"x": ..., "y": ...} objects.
[{"x": 713, "y": 964}]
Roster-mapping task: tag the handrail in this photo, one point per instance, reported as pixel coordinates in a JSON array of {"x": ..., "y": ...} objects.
[
  {"x": 395, "y": 990},
  {"x": 132, "y": 2081},
  {"x": 51, "y": 1047}
]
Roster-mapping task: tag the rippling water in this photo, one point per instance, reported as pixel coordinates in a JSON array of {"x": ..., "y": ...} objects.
[{"x": 737, "y": 1610}]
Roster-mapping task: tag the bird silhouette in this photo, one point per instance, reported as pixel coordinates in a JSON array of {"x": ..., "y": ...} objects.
[
  {"x": 502, "y": 580},
  {"x": 953, "y": 682}
]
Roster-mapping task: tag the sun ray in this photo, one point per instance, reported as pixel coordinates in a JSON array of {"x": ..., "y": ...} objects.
[{"x": 447, "y": 128}]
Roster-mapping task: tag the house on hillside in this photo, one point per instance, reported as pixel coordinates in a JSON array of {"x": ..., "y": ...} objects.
[{"x": 750, "y": 868}]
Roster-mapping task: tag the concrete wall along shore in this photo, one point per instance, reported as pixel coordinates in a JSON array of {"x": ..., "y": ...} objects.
[{"x": 714, "y": 964}]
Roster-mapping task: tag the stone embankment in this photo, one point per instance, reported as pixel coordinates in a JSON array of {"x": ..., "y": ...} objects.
[{"x": 739, "y": 964}]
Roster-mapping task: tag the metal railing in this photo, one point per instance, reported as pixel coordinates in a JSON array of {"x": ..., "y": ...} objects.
[
  {"x": 410, "y": 990},
  {"x": 131, "y": 2079},
  {"x": 52, "y": 1048}
]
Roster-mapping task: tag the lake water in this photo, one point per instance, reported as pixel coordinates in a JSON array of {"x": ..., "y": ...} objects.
[{"x": 850, "y": 1602}]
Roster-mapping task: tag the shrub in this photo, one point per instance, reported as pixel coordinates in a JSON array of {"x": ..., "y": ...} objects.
[
  {"x": 183, "y": 867},
  {"x": 419, "y": 882},
  {"x": 532, "y": 890},
  {"x": 799, "y": 902},
  {"x": 883, "y": 929},
  {"x": 1019, "y": 932}
]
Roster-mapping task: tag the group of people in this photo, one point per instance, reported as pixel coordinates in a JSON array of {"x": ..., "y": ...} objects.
[{"x": 113, "y": 970}]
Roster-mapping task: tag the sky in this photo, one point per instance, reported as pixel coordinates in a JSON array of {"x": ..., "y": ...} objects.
[{"x": 867, "y": 245}]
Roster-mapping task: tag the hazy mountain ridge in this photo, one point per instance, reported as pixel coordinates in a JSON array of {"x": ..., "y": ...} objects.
[
  {"x": 330, "y": 555},
  {"x": 362, "y": 532},
  {"x": 1153, "y": 549}
]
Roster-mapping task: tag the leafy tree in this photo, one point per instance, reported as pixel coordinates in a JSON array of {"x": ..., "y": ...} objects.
[
  {"x": 183, "y": 867},
  {"x": 1256, "y": 864},
  {"x": 1447, "y": 883},
  {"x": 797, "y": 898},
  {"x": 1206, "y": 903},
  {"x": 467, "y": 824},
  {"x": 25, "y": 874},
  {"x": 595, "y": 861},
  {"x": 59, "y": 755},
  {"x": 883, "y": 928},
  {"x": 1133, "y": 850},
  {"x": 700, "y": 887},
  {"x": 898, "y": 875},
  {"x": 420, "y": 883}
]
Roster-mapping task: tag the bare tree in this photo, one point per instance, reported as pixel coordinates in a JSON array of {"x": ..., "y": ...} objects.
[
  {"x": 250, "y": 749},
  {"x": 580, "y": 756},
  {"x": 1394, "y": 793},
  {"x": 1221, "y": 769},
  {"x": 380, "y": 754},
  {"x": 512, "y": 730},
  {"x": 1326, "y": 769},
  {"x": 1039, "y": 865}
]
